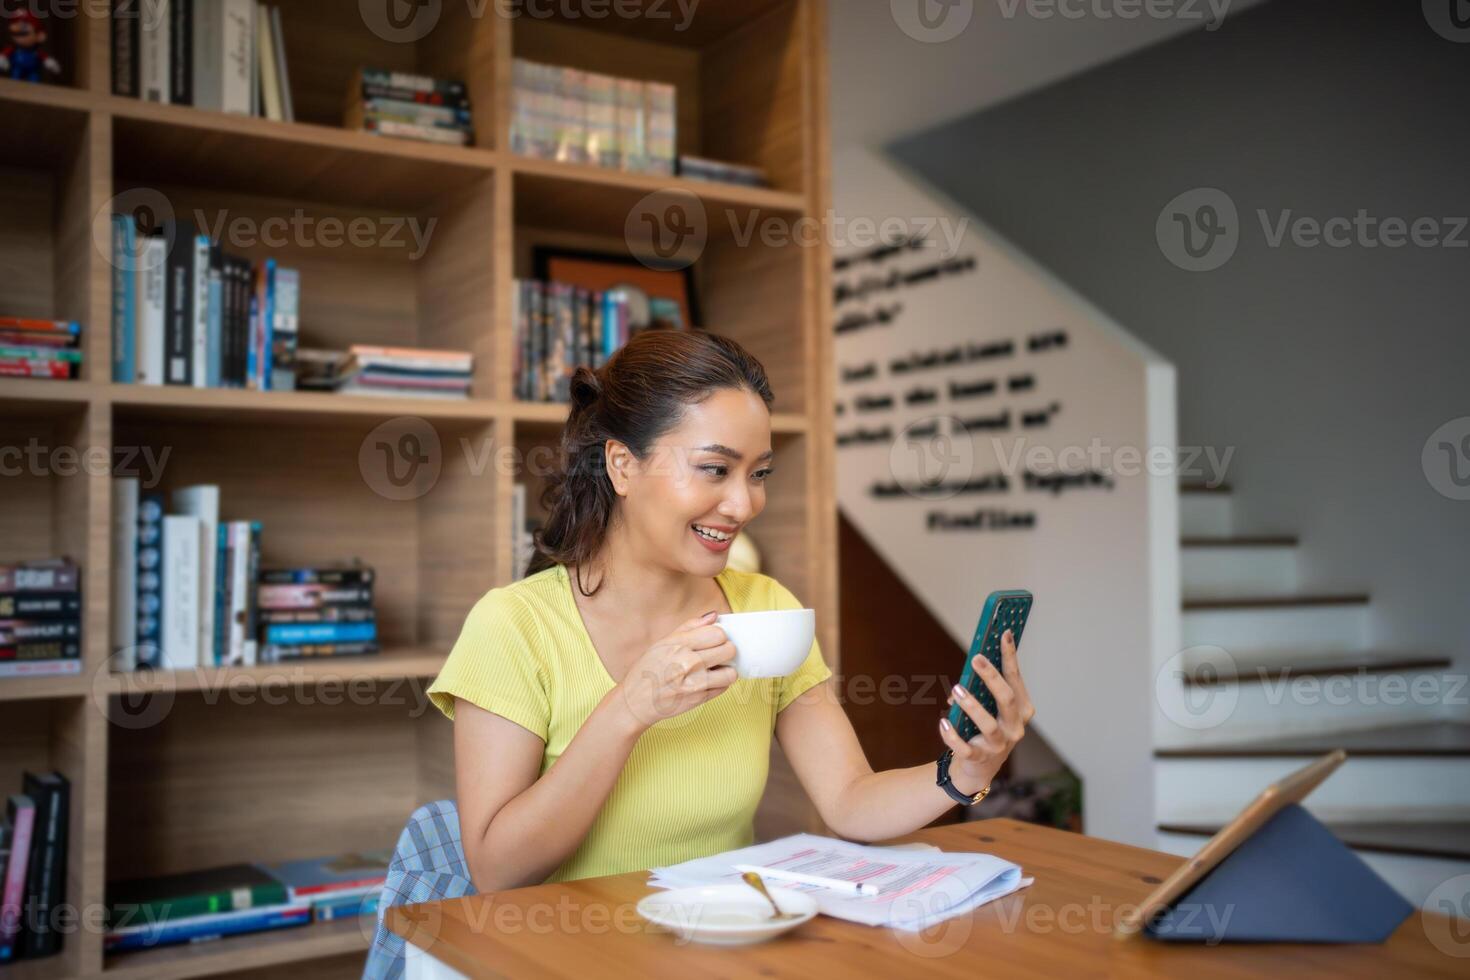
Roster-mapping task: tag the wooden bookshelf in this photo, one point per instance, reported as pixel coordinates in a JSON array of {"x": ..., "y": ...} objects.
[{"x": 278, "y": 762}]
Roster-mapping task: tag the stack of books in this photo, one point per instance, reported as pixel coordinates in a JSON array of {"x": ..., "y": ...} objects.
[
  {"x": 559, "y": 327},
  {"x": 719, "y": 171},
  {"x": 321, "y": 611},
  {"x": 183, "y": 580},
  {"x": 31, "y": 348},
  {"x": 241, "y": 898},
  {"x": 336, "y": 887},
  {"x": 196, "y": 906},
  {"x": 40, "y": 619},
  {"x": 411, "y": 372},
  {"x": 225, "y": 55},
  {"x": 33, "y": 846},
  {"x": 409, "y": 106},
  {"x": 185, "y": 312},
  {"x": 583, "y": 117}
]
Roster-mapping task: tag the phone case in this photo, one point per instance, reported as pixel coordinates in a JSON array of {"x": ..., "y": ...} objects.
[{"x": 1004, "y": 610}]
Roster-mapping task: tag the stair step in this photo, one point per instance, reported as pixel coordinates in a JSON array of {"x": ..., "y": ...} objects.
[
  {"x": 1267, "y": 623},
  {"x": 1205, "y": 488},
  {"x": 1240, "y": 541},
  {"x": 1272, "y": 665},
  {"x": 1215, "y": 603},
  {"x": 1439, "y": 839},
  {"x": 1434, "y": 738}
]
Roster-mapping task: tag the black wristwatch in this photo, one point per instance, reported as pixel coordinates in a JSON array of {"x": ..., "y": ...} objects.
[{"x": 948, "y": 786}]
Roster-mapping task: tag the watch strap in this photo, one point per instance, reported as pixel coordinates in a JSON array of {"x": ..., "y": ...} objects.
[{"x": 945, "y": 784}]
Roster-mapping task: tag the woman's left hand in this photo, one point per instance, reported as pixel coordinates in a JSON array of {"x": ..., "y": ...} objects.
[{"x": 976, "y": 762}]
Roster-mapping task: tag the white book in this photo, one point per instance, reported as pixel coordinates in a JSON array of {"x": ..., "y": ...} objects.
[
  {"x": 125, "y": 572},
  {"x": 200, "y": 313},
  {"x": 209, "y": 54},
  {"x": 153, "y": 53},
  {"x": 238, "y": 54},
  {"x": 239, "y": 537},
  {"x": 180, "y": 622},
  {"x": 202, "y": 501},
  {"x": 152, "y": 270},
  {"x": 41, "y": 668}
]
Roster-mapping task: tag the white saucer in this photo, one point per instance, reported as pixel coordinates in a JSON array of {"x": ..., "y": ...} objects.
[{"x": 725, "y": 915}]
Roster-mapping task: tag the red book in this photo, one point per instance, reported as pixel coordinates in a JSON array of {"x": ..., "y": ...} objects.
[
  {"x": 17, "y": 367},
  {"x": 40, "y": 326}
]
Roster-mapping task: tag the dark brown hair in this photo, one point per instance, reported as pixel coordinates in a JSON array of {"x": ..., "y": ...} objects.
[{"x": 637, "y": 396}]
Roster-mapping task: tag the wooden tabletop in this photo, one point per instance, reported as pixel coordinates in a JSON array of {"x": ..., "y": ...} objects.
[{"x": 1060, "y": 926}]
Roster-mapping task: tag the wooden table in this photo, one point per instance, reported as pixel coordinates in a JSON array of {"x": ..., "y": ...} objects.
[{"x": 1059, "y": 927}]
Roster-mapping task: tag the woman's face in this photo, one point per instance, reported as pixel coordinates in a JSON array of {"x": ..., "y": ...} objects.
[{"x": 701, "y": 483}]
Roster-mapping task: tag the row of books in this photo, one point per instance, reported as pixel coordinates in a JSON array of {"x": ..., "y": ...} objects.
[
  {"x": 182, "y": 581},
  {"x": 185, "y": 312},
  {"x": 523, "y": 529},
  {"x": 33, "y": 846},
  {"x": 559, "y": 327},
  {"x": 409, "y": 106},
  {"x": 317, "y": 611},
  {"x": 720, "y": 171},
  {"x": 225, "y": 55},
  {"x": 577, "y": 116},
  {"x": 410, "y": 372},
  {"x": 34, "y": 348},
  {"x": 189, "y": 590},
  {"x": 40, "y": 619},
  {"x": 241, "y": 898}
]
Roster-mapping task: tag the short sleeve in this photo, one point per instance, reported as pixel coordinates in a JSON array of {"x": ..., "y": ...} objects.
[
  {"x": 495, "y": 665},
  {"x": 813, "y": 669}
]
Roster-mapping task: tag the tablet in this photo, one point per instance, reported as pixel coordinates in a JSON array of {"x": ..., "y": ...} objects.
[{"x": 1290, "y": 789}]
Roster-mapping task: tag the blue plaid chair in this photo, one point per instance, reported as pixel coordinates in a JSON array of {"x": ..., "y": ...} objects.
[{"x": 428, "y": 864}]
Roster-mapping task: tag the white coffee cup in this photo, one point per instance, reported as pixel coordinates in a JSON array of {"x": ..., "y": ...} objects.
[{"x": 769, "y": 643}]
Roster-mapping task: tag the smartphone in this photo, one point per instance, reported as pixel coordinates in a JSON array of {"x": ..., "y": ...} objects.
[{"x": 1007, "y": 610}]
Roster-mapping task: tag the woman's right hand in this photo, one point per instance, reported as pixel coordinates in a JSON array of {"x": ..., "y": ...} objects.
[{"x": 681, "y": 671}]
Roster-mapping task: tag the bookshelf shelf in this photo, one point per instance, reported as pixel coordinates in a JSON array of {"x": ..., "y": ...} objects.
[
  {"x": 394, "y": 663},
  {"x": 185, "y": 792},
  {"x": 270, "y": 949}
]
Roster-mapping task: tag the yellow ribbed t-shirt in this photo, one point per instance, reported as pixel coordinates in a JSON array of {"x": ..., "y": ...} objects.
[{"x": 692, "y": 783}]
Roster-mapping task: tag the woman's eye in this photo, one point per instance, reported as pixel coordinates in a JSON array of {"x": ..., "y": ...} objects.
[
  {"x": 763, "y": 473},
  {"x": 714, "y": 470}
]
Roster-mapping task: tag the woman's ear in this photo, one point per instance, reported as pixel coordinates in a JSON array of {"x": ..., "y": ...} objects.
[{"x": 621, "y": 464}]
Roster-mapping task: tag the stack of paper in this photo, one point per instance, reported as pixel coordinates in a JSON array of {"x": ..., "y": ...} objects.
[{"x": 916, "y": 888}]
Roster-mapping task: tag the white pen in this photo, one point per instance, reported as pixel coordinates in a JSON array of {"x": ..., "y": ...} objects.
[{"x": 838, "y": 884}]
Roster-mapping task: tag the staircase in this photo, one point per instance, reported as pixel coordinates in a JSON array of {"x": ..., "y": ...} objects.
[{"x": 1271, "y": 676}]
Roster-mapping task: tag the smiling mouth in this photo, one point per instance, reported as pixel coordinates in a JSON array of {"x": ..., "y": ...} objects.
[{"x": 710, "y": 534}]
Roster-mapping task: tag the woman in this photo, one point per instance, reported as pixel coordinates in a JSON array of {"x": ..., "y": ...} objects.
[{"x": 598, "y": 726}]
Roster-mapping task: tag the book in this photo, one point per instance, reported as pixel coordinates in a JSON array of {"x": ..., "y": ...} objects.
[
  {"x": 20, "y": 817},
  {"x": 67, "y": 667},
  {"x": 26, "y": 630},
  {"x": 208, "y": 55},
  {"x": 153, "y": 50},
  {"x": 125, "y": 41},
  {"x": 46, "y": 876},
  {"x": 425, "y": 133},
  {"x": 315, "y": 879},
  {"x": 346, "y": 906},
  {"x": 354, "y": 574},
  {"x": 237, "y": 41},
  {"x": 199, "y": 312},
  {"x": 326, "y": 614},
  {"x": 36, "y": 325},
  {"x": 412, "y": 358},
  {"x": 278, "y": 39},
  {"x": 202, "y": 503},
  {"x": 273, "y": 653},
  {"x": 182, "y": 550},
  {"x": 206, "y": 927},
  {"x": 151, "y": 311},
  {"x": 34, "y": 650},
  {"x": 285, "y": 327},
  {"x": 181, "y": 51},
  {"x": 148, "y": 605},
  {"x": 40, "y": 605},
  {"x": 311, "y": 596},
  {"x": 410, "y": 82},
  {"x": 46, "y": 575},
  {"x": 214, "y": 319},
  {"x": 167, "y": 898},
  {"x": 270, "y": 81},
  {"x": 124, "y": 281},
  {"x": 289, "y": 634},
  {"x": 178, "y": 333}
]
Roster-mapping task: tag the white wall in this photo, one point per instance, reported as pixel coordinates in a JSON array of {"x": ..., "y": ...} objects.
[{"x": 1103, "y": 564}]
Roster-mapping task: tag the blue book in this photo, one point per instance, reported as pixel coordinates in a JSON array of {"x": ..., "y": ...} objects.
[
  {"x": 124, "y": 277},
  {"x": 332, "y": 878},
  {"x": 222, "y": 591},
  {"x": 321, "y": 633},
  {"x": 201, "y": 927},
  {"x": 346, "y": 906},
  {"x": 268, "y": 325},
  {"x": 215, "y": 318}
]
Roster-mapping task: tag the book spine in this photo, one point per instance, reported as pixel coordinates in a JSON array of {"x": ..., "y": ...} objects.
[
  {"x": 202, "y": 502},
  {"x": 284, "y": 335},
  {"x": 199, "y": 312},
  {"x": 409, "y": 82},
  {"x": 278, "y": 38},
  {"x": 30, "y": 631},
  {"x": 420, "y": 112},
  {"x": 31, "y": 324},
  {"x": 133, "y": 915},
  {"x": 125, "y": 17},
  {"x": 40, "y": 577},
  {"x": 209, "y": 54},
  {"x": 214, "y": 323},
  {"x": 328, "y": 614},
  {"x": 124, "y": 278},
  {"x": 219, "y": 646},
  {"x": 276, "y": 653},
  {"x": 181, "y": 52},
  {"x": 429, "y": 134},
  {"x": 18, "y": 368},
  {"x": 181, "y": 564},
  {"x": 203, "y": 928},
  {"x": 40, "y": 606},
  {"x": 328, "y": 910},
  {"x": 66, "y": 667},
  {"x": 268, "y": 326},
  {"x": 47, "y": 865},
  {"x": 178, "y": 332},
  {"x": 149, "y": 567},
  {"x": 252, "y": 604},
  {"x": 40, "y": 650},
  {"x": 21, "y": 814},
  {"x": 298, "y": 633},
  {"x": 124, "y": 572},
  {"x": 317, "y": 576},
  {"x": 153, "y": 46},
  {"x": 153, "y": 312},
  {"x": 311, "y": 596}
]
